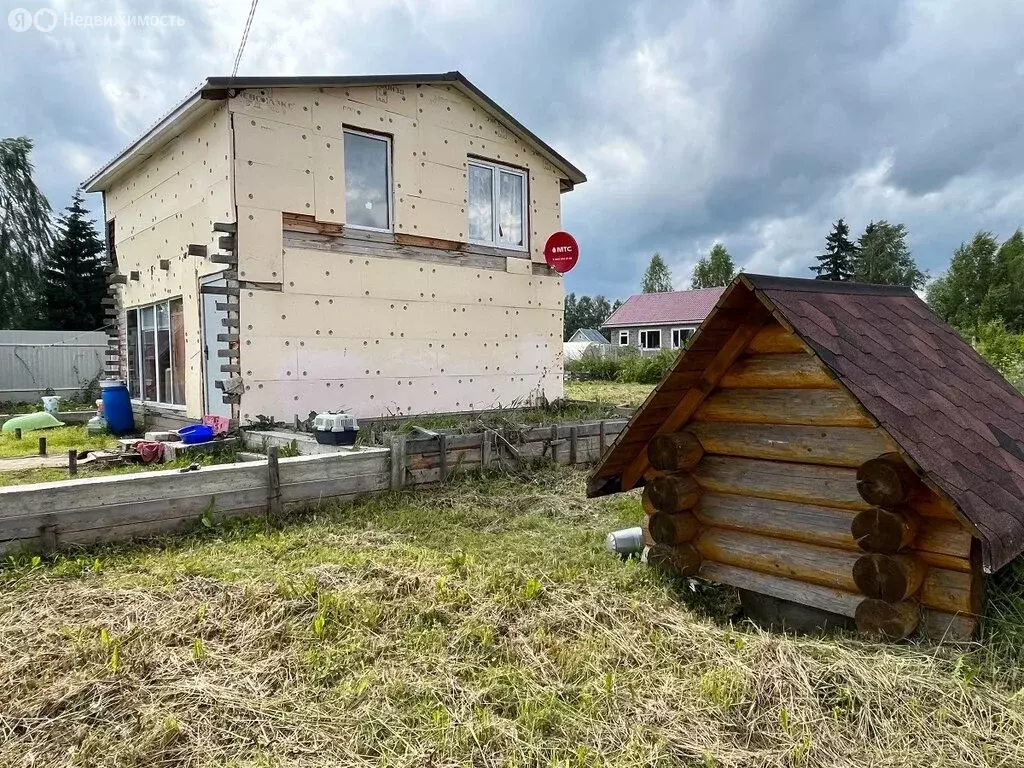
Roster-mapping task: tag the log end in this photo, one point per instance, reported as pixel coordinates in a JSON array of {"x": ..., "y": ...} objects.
[
  {"x": 892, "y": 621},
  {"x": 672, "y": 493},
  {"x": 670, "y": 530},
  {"x": 683, "y": 560},
  {"x": 888, "y": 577},
  {"x": 883, "y": 530},
  {"x": 677, "y": 451},
  {"x": 885, "y": 481}
]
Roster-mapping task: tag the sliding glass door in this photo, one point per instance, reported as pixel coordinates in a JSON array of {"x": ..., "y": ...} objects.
[{"x": 156, "y": 353}]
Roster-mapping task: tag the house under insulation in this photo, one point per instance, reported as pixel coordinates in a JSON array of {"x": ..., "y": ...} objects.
[{"x": 834, "y": 445}]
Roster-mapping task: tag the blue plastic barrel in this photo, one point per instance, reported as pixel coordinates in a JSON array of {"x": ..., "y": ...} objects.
[{"x": 117, "y": 407}]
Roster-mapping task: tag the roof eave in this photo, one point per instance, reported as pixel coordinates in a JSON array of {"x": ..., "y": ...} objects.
[
  {"x": 219, "y": 88},
  {"x": 187, "y": 110},
  {"x": 647, "y": 323}
]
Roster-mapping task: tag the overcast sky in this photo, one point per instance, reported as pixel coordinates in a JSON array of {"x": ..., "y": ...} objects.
[{"x": 753, "y": 123}]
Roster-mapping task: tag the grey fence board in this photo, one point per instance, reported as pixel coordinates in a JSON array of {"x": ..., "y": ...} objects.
[{"x": 33, "y": 361}]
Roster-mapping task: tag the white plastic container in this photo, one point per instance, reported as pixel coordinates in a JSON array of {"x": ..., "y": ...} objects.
[
  {"x": 51, "y": 404},
  {"x": 335, "y": 428}
]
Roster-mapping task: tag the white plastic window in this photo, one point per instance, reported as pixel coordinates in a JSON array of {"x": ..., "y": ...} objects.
[
  {"x": 497, "y": 205},
  {"x": 367, "y": 181}
]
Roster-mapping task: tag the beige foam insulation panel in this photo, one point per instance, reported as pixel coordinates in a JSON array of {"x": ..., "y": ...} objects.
[
  {"x": 289, "y": 155},
  {"x": 380, "y": 335},
  {"x": 386, "y": 335},
  {"x": 161, "y": 207}
]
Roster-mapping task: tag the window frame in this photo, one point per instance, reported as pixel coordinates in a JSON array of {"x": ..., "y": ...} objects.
[
  {"x": 682, "y": 340},
  {"x": 646, "y": 333},
  {"x": 623, "y": 338},
  {"x": 140, "y": 363},
  {"x": 496, "y": 170},
  {"x": 389, "y": 167}
]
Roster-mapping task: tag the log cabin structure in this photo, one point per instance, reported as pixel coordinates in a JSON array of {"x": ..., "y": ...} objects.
[{"x": 833, "y": 445}]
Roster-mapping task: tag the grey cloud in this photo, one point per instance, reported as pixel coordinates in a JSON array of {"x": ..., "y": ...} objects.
[{"x": 757, "y": 123}]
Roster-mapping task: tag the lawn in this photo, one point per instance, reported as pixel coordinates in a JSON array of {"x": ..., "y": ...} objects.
[
  {"x": 62, "y": 439},
  {"x": 609, "y": 392},
  {"x": 481, "y": 623},
  {"x": 58, "y": 440}
]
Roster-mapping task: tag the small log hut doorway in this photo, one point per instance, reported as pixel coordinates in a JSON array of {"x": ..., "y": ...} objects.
[{"x": 834, "y": 445}]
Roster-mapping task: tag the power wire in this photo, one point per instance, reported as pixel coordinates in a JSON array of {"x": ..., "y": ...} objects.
[{"x": 245, "y": 37}]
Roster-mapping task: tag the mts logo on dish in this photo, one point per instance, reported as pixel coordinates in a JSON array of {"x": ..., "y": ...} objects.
[{"x": 562, "y": 249}]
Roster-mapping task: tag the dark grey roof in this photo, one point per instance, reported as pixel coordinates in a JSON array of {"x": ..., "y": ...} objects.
[{"x": 592, "y": 334}]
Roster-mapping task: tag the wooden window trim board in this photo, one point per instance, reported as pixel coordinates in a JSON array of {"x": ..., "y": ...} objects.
[{"x": 298, "y": 222}]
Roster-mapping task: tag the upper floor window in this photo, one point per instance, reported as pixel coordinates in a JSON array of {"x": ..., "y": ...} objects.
[
  {"x": 497, "y": 205},
  {"x": 367, "y": 180}
]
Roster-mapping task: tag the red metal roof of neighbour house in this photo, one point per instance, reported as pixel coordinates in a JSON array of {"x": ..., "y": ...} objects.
[
  {"x": 665, "y": 308},
  {"x": 952, "y": 415}
]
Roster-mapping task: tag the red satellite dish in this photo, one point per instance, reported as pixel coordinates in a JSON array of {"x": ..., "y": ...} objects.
[{"x": 561, "y": 252}]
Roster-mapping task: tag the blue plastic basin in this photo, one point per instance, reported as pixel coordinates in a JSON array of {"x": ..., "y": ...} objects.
[{"x": 197, "y": 433}]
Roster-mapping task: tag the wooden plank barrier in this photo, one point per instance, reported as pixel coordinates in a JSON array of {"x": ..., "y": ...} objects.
[{"x": 114, "y": 508}]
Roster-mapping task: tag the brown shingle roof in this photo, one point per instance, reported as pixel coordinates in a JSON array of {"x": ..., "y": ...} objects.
[{"x": 952, "y": 414}]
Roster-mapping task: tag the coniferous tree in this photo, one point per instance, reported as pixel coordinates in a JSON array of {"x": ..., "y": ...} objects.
[
  {"x": 884, "y": 258},
  {"x": 24, "y": 235},
  {"x": 715, "y": 269},
  {"x": 657, "y": 278},
  {"x": 837, "y": 261},
  {"x": 73, "y": 277}
]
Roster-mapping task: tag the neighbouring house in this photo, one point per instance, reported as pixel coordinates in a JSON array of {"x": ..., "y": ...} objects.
[
  {"x": 374, "y": 243},
  {"x": 835, "y": 447},
  {"x": 586, "y": 341},
  {"x": 588, "y": 334},
  {"x": 655, "y": 321}
]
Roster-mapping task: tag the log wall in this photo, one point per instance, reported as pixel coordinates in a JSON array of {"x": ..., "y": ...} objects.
[{"x": 780, "y": 486}]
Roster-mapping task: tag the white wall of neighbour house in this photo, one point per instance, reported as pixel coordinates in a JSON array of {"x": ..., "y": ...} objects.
[
  {"x": 381, "y": 334},
  {"x": 160, "y": 207}
]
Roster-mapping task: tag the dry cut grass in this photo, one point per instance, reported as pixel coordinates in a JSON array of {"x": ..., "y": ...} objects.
[
  {"x": 608, "y": 392},
  {"x": 480, "y": 624}
]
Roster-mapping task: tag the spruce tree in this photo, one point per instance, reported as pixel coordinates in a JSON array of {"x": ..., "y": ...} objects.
[
  {"x": 24, "y": 235},
  {"x": 657, "y": 278},
  {"x": 837, "y": 261},
  {"x": 74, "y": 280},
  {"x": 884, "y": 258}
]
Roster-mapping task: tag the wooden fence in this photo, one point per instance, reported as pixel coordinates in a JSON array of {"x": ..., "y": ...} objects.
[{"x": 47, "y": 516}]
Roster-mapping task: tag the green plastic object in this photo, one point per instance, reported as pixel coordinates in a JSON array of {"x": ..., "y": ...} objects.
[{"x": 30, "y": 421}]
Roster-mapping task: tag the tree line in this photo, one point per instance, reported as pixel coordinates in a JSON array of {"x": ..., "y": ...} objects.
[
  {"x": 881, "y": 256},
  {"x": 52, "y": 273},
  {"x": 981, "y": 295}
]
